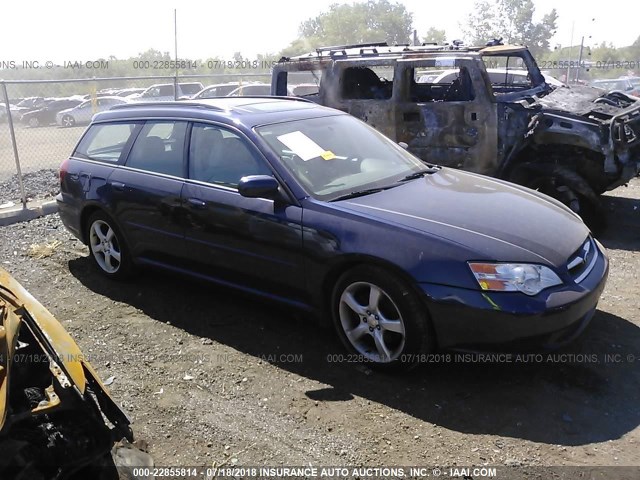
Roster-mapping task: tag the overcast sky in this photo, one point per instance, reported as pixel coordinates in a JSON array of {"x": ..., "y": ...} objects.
[{"x": 80, "y": 31}]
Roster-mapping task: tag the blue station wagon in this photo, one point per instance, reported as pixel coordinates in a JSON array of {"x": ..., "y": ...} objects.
[{"x": 309, "y": 206}]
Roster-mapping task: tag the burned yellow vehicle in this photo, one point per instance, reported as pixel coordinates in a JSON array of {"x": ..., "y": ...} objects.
[
  {"x": 486, "y": 109},
  {"x": 57, "y": 420}
]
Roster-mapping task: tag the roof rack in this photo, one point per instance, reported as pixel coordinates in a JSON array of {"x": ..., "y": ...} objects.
[
  {"x": 200, "y": 103},
  {"x": 380, "y": 49},
  {"x": 338, "y": 48}
]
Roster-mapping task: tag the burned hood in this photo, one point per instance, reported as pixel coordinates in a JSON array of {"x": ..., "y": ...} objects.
[
  {"x": 586, "y": 101},
  {"x": 21, "y": 311},
  {"x": 494, "y": 220}
]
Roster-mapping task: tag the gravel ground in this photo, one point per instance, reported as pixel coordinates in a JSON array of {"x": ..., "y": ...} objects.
[
  {"x": 38, "y": 185},
  {"x": 212, "y": 377}
]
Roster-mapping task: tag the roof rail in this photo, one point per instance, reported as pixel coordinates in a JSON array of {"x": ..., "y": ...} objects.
[
  {"x": 200, "y": 104},
  {"x": 182, "y": 103}
]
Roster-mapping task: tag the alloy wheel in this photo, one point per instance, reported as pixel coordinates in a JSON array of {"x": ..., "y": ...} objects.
[
  {"x": 371, "y": 321},
  {"x": 105, "y": 246}
]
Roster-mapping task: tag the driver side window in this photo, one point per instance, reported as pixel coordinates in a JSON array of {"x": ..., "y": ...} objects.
[{"x": 217, "y": 155}]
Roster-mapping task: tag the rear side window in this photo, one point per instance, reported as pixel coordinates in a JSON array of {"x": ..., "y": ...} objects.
[
  {"x": 105, "y": 142},
  {"x": 160, "y": 148},
  {"x": 367, "y": 83}
]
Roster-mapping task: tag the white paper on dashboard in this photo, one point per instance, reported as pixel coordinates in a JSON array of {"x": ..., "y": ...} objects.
[{"x": 301, "y": 145}]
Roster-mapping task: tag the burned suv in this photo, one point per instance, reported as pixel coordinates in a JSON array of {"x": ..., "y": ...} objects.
[{"x": 484, "y": 109}]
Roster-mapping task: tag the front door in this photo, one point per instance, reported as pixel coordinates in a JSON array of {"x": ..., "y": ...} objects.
[{"x": 255, "y": 243}]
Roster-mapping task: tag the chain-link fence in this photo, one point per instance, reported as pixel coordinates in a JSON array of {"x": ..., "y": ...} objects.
[{"x": 41, "y": 121}]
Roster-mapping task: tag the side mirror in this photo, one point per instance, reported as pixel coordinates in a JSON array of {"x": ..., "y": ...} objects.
[
  {"x": 259, "y": 186},
  {"x": 403, "y": 145}
]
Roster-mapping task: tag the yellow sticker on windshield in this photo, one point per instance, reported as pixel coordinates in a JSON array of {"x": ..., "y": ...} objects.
[{"x": 328, "y": 155}]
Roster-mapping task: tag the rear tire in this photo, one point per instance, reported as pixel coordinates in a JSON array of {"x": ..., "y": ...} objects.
[
  {"x": 68, "y": 121},
  {"x": 107, "y": 247},
  {"x": 380, "y": 318}
]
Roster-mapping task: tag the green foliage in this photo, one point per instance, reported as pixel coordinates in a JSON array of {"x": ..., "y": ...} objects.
[
  {"x": 371, "y": 21},
  {"x": 511, "y": 20},
  {"x": 435, "y": 35}
]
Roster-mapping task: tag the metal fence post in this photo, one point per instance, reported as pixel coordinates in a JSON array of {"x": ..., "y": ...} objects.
[{"x": 23, "y": 195}]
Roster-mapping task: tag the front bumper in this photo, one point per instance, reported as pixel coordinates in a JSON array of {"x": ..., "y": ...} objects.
[{"x": 475, "y": 319}]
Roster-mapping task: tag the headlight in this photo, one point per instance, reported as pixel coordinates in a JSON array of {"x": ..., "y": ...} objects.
[{"x": 511, "y": 277}]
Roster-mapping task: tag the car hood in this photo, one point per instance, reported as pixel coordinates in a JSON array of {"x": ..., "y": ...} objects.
[
  {"x": 18, "y": 310},
  {"x": 581, "y": 100},
  {"x": 494, "y": 220}
]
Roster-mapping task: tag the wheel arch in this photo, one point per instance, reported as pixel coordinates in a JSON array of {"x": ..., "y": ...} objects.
[
  {"x": 585, "y": 162},
  {"x": 350, "y": 261},
  {"x": 86, "y": 213}
]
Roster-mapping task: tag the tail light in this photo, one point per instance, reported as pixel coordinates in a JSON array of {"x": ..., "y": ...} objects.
[{"x": 64, "y": 167}]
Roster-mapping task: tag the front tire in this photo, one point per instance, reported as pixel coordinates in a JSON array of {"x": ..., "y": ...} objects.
[
  {"x": 380, "y": 318},
  {"x": 567, "y": 187},
  {"x": 107, "y": 247},
  {"x": 34, "y": 122}
]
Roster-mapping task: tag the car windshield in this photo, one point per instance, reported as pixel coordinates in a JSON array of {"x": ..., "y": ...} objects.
[{"x": 339, "y": 155}]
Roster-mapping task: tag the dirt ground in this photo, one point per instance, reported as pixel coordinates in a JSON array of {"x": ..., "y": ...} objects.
[{"x": 213, "y": 377}]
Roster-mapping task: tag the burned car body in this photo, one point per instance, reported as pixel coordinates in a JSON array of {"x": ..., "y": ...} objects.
[
  {"x": 572, "y": 143},
  {"x": 56, "y": 417}
]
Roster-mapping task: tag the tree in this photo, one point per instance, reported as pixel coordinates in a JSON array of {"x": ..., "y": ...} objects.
[
  {"x": 511, "y": 20},
  {"x": 343, "y": 24},
  {"x": 435, "y": 36}
]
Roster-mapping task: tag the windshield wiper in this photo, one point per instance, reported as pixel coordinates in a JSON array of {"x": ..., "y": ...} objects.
[
  {"x": 361, "y": 193},
  {"x": 420, "y": 174}
]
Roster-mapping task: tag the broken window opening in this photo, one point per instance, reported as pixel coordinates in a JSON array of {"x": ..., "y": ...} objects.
[
  {"x": 508, "y": 73},
  {"x": 367, "y": 83},
  {"x": 433, "y": 84}
]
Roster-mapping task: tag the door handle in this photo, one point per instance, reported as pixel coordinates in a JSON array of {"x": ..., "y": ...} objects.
[
  {"x": 196, "y": 202},
  {"x": 117, "y": 185}
]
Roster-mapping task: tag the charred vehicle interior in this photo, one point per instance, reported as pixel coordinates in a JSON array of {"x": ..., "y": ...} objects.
[
  {"x": 57, "y": 420},
  {"x": 484, "y": 109}
]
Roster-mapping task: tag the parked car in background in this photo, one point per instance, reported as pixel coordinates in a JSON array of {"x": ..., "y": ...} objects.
[
  {"x": 309, "y": 206},
  {"x": 47, "y": 114},
  {"x": 125, "y": 92},
  {"x": 217, "y": 90},
  {"x": 57, "y": 419},
  {"x": 15, "y": 112},
  {"x": 260, "y": 89},
  {"x": 82, "y": 113},
  {"x": 630, "y": 85},
  {"x": 498, "y": 76},
  {"x": 89, "y": 96},
  {"x": 250, "y": 89},
  {"x": 489, "y": 117},
  {"x": 304, "y": 89},
  {"x": 165, "y": 92},
  {"x": 28, "y": 104}
]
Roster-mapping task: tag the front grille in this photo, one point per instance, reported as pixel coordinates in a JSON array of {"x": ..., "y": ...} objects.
[{"x": 582, "y": 261}]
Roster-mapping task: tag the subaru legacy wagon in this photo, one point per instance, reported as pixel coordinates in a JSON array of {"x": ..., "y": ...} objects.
[{"x": 309, "y": 206}]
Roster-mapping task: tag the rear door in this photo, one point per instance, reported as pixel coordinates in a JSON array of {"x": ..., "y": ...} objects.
[
  {"x": 253, "y": 242},
  {"x": 366, "y": 92},
  {"x": 146, "y": 191}
]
